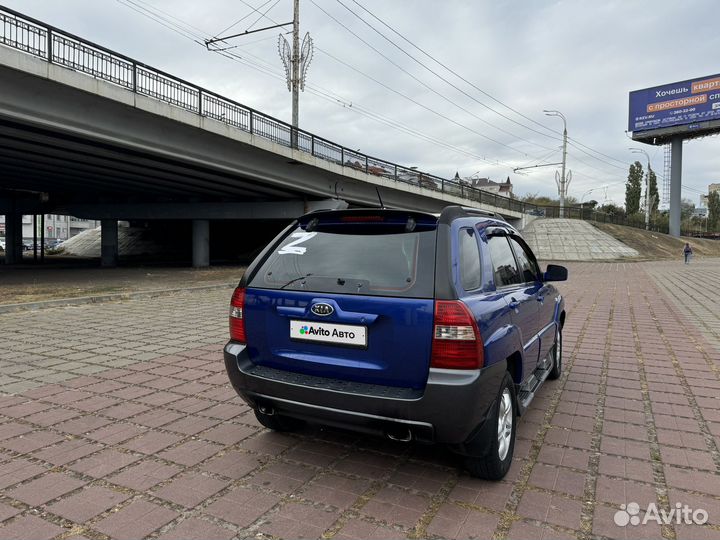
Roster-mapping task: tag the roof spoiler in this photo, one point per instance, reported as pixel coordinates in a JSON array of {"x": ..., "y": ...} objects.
[{"x": 452, "y": 212}]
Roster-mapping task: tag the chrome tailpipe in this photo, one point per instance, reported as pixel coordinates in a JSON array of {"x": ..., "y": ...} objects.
[{"x": 399, "y": 435}]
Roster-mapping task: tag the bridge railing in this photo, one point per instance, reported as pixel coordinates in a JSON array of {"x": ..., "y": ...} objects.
[{"x": 59, "y": 47}]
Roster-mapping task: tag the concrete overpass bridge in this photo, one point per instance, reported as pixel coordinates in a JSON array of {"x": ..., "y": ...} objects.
[{"x": 87, "y": 132}]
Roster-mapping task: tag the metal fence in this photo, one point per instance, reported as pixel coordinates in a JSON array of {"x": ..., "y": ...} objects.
[
  {"x": 656, "y": 223},
  {"x": 58, "y": 47}
]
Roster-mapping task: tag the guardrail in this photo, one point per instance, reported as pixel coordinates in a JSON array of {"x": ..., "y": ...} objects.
[
  {"x": 59, "y": 47},
  {"x": 636, "y": 220}
]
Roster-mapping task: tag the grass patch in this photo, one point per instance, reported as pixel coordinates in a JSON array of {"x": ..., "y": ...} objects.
[{"x": 654, "y": 245}]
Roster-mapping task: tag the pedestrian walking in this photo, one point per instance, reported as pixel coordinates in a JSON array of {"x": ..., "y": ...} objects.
[{"x": 687, "y": 251}]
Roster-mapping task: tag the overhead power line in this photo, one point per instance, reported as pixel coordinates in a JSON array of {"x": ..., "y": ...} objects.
[
  {"x": 197, "y": 35},
  {"x": 459, "y": 76},
  {"x": 412, "y": 100},
  {"x": 164, "y": 21},
  {"x": 241, "y": 19},
  {"x": 576, "y": 144},
  {"x": 418, "y": 80},
  {"x": 263, "y": 14},
  {"x": 554, "y": 136}
]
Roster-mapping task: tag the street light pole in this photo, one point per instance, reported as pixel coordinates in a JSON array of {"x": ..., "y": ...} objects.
[
  {"x": 296, "y": 69},
  {"x": 582, "y": 199},
  {"x": 562, "y": 184},
  {"x": 647, "y": 186},
  {"x": 588, "y": 192}
]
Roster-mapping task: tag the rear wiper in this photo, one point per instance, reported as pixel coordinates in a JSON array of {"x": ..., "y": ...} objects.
[{"x": 296, "y": 279}]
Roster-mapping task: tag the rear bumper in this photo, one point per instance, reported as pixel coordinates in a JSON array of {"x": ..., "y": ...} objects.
[{"x": 453, "y": 408}]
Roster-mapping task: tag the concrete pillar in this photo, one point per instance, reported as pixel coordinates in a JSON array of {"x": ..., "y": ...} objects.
[
  {"x": 13, "y": 239},
  {"x": 42, "y": 238},
  {"x": 201, "y": 243},
  {"x": 108, "y": 243},
  {"x": 675, "y": 185}
]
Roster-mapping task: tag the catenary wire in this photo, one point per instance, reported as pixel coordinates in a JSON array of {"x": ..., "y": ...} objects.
[
  {"x": 241, "y": 19},
  {"x": 316, "y": 91},
  {"x": 422, "y": 83},
  {"x": 444, "y": 66},
  {"x": 199, "y": 38},
  {"x": 421, "y": 105}
]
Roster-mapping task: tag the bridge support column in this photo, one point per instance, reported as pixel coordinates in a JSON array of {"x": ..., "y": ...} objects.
[
  {"x": 108, "y": 243},
  {"x": 675, "y": 185},
  {"x": 13, "y": 238},
  {"x": 201, "y": 243}
]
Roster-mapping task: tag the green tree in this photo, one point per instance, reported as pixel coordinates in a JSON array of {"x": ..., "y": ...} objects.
[
  {"x": 687, "y": 207},
  {"x": 542, "y": 200},
  {"x": 633, "y": 188},
  {"x": 654, "y": 195},
  {"x": 713, "y": 211},
  {"x": 612, "y": 209}
]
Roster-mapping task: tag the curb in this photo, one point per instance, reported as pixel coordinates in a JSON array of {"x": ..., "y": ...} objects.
[{"x": 99, "y": 299}]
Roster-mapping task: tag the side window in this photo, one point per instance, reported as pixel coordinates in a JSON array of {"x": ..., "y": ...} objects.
[
  {"x": 504, "y": 267},
  {"x": 528, "y": 269},
  {"x": 470, "y": 269}
]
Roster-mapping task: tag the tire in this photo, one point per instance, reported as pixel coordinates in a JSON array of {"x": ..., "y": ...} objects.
[
  {"x": 276, "y": 422},
  {"x": 495, "y": 465},
  {"x": 556, "y": 370}
]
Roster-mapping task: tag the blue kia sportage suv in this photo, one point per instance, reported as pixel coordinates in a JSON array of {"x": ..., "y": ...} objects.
[{"x": 408, "y": 325}]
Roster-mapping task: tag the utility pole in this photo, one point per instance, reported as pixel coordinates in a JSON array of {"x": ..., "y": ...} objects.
[
  {"x": 648, "y": 203},
  {"x": 296, "y": 70},
  {"x": 564, "y": 181},
  {"x": 295, "y": 58},
  {"x": 563, "y": 186}
]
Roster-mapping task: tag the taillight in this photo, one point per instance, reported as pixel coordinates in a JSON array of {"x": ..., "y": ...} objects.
[
  {"x": 237, "y": 319},
  {"x": 456, "y": 339},
  {"x": 361, "y": 219}
]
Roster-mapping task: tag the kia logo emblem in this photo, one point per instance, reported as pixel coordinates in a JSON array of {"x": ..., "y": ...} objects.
[{"x": 322, "y": 309}]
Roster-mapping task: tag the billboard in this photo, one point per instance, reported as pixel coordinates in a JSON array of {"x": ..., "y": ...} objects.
[{"x": 676, "y": 104}]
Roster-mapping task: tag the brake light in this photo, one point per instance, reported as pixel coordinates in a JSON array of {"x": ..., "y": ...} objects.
[
  {"x": 237, "y": 319},
  {"x": 361, "y": 219},
  {"x": 456, "y": 339}
]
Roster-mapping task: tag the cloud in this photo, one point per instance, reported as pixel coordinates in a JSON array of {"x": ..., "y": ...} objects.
[{"x": 579, "y": 57}]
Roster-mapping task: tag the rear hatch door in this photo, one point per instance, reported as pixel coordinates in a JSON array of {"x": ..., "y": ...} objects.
[{"x": 348, "y": 299}]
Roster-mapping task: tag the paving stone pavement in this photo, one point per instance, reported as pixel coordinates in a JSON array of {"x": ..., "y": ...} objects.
[
  {"x": 53, "y": 345},
  {"x": 118, "y": 422},
  {"x": 695, "y": 289}
]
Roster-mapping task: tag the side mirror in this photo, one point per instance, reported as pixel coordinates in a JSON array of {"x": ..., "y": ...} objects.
[{"x": 555, "y": 272}]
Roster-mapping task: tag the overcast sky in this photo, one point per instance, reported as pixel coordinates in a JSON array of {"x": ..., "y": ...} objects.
[{"x": 579, "y": 57}]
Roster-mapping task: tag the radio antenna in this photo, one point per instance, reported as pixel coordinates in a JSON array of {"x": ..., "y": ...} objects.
[{"x": 382, "y": 206}]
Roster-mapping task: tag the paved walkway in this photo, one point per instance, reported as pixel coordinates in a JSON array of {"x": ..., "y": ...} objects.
[
  {"x": 573, "y": 240},
  {"x": 65, "y": 278},
  {"x": 695, "y": 290},
  {"x": 152, "y": 442}
]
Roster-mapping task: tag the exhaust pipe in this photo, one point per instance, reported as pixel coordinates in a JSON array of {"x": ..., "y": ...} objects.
[
  {"x": 267, "y": 410},
  {"x": 400, "y": 435}
]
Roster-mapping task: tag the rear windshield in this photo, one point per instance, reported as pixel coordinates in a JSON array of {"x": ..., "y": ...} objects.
[{"x": 401, "y": 264}]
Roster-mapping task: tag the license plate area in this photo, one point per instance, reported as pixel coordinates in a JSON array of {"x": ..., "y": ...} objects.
[{"x": 345, "y": 335}]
